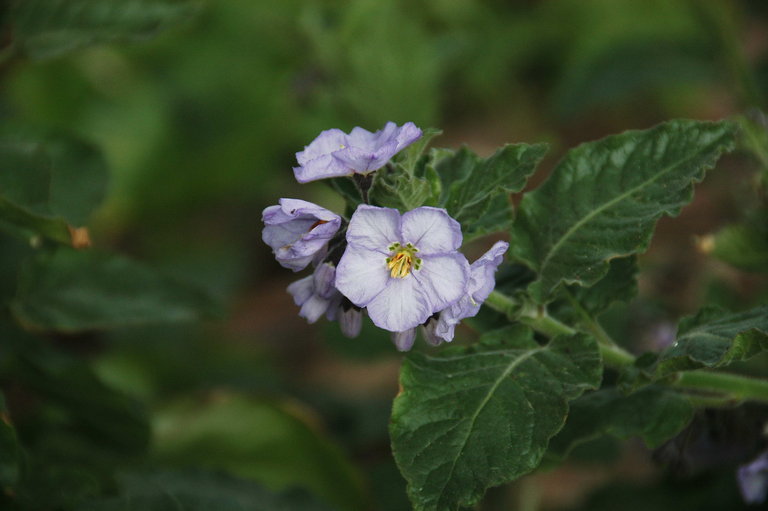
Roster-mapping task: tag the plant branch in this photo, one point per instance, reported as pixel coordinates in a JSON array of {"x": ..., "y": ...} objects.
[{"x": 739, "y": 388}]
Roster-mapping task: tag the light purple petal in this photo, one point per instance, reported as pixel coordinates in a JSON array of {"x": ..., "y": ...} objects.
[
  {"x": 363, "y": 161},
  {"x": 482, "y": 275},
  {"x": 333, "y": 153},
  {"x": 401, "y": 305},
  {"x": 302, "y": 290},
  {"x": 351, "y": 321},
  {"x": 445, "y": 326},
  {"x": 753, "y": 480},
  {"x": 431, "y": 230},
  {"x": 315, "y": 294},
  {"x": 444, "y": 278},
  {"x": 406, "y": 135},
  {"x": 362, "y": 274},
  {"x": 429, "y": 332},
  {"x": 481, "y": 283},
  {"x": 323, "y": 279},
  {"x": 404, "y": 340},
  {"x": 374, "y": 228},
  {"x": 298, "y": 231},
  {"x": 317, "y": 160}
]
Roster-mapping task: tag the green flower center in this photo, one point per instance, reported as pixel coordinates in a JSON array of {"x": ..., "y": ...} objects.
[{"x": 402, "y": 259}]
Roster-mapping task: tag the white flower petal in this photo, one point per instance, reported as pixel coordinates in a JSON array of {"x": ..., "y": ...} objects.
[
  {"x": 374, "y": 228},
  {"x": 401, "y": 305},
  {"x": 361, "y": 274},
  {"x": 444, "y": 278},
  {"x": 431, "y": 230}
]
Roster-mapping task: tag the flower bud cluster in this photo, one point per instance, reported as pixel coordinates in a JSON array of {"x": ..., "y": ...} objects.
[{"x": 403, "y": 270}]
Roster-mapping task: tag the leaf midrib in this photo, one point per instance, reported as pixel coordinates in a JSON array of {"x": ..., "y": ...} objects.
[
  {"x": 511, "y": 367},
  {"x": 608, "y": 205}
]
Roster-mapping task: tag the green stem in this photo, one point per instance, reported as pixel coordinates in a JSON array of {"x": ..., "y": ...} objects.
[
  {"x": 740, "y": 388},
  {"x": 590, "y": 323},
  {"x": 616, "y": 357}
]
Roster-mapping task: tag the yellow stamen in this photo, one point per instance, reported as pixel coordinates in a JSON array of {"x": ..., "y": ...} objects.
[{"x": 400, "y": 265}]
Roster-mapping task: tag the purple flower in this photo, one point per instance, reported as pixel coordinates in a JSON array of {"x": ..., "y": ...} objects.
[
  {"x": 350, "y": 319},
  {"x": 334, "y": 153},
  {"x": 481, "y": 283},
  {"x": 404, "y": 340},
  {"x": 753, "y": 480},
  {"x": 316, "y": 295},
  {"x": 298, "y": 231},
  {"x": 403, "y": 268}
]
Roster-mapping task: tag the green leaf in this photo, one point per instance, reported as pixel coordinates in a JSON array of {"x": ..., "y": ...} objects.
[
  {"x": 48, "y": 28},
  {"x": 49, "y": 182},
  {"x": 258, "y": 439},
  {"x": 396, "y": 188},
  {"x": 198, "y": 491},
  {"x": 68, "y": 290},
  {"x": 411, "y": 154},
  {"x": 504, "y": 172},
  {"x": 653, "y": 413},
  {"x": 468, "y": 419},
  {"x": 451, "y": 166},
  {"x": 497, "y": 218},
  {"x": 715, "y": 338},
  {"x": 604, "y": 198},
  {"x": 618, "y": 285}
]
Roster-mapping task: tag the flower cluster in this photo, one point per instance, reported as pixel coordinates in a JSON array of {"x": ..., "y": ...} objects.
[{"x": 404, "y": 270}]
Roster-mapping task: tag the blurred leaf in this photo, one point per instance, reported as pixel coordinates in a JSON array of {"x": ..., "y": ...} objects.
[
  {"x": 9, "y": 447},
  {"x": 504, "y": 172},
  {"x": 603, "y": 199},
  {"x": 468, "y": 419},
  {"x": 621, "y": 49},
  {"x": 199, "y": 491},
  {"x": 67, "y": 290},
  {"x": 83, "y": 404},
  {"x": 257, "y": 439},
  {"x": 655, "y": 414},
  {"x": 715, "y": 338},
  {"x": 754, "y": 137},
  {"x": 374, "y": 75},
  {"x": 744, "y": 246},
  {"x": 48, "y": 28},
  {"x": 50, "y": 182}
]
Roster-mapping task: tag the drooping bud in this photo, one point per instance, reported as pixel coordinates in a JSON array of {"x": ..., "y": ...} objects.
[
  {"x": 404, "y": 340},
  {"x": 350, "y": 319},
  {"x": 428, "y": 330}
]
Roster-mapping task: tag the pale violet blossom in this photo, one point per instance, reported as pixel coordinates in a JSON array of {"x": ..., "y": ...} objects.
[
  {"x": 298, "y": 232},
  {"x": 753, "y": 480},
  {"x": 481, "y": 283},
  {"x": 316, "y": 294},
  {"x": 402, "y": 268},
  {"x": 404, "y": 340},
  {"x": 335, "y": 153},
  {"x": 350, "y": 319}
]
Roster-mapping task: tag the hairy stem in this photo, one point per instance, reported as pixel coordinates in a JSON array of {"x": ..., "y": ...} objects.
[{"x": 590, "y": 323}]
